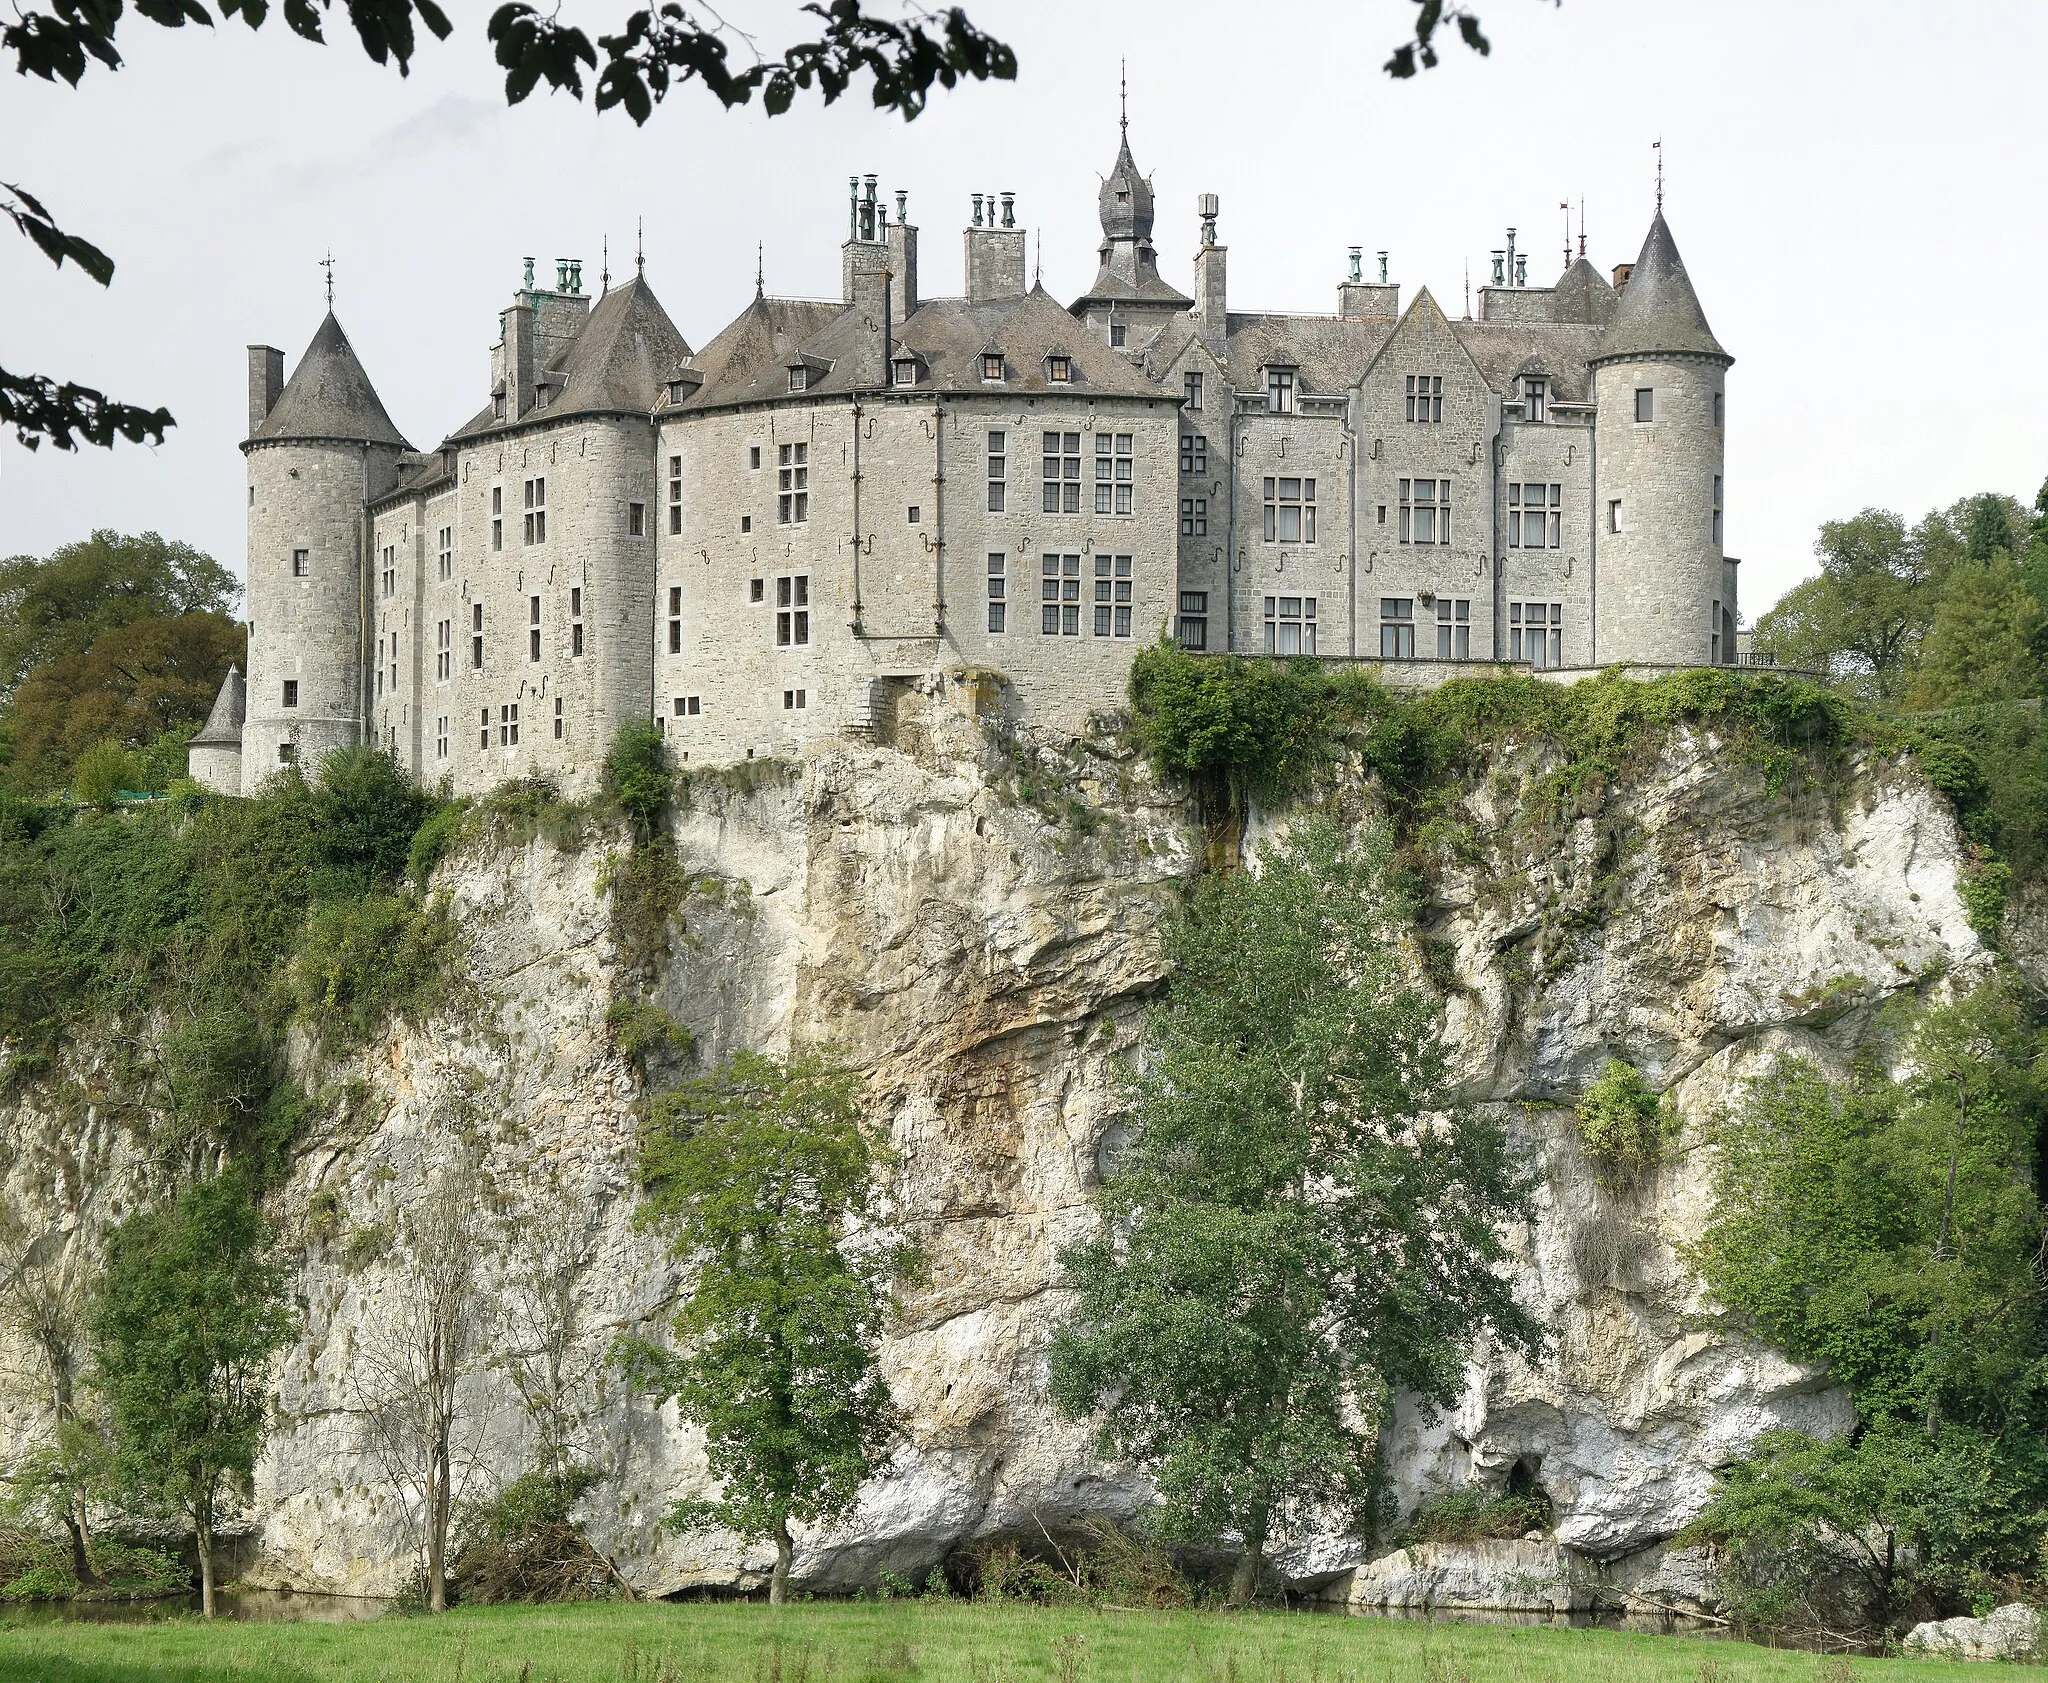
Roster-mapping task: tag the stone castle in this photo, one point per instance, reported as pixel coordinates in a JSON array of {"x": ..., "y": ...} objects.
[{"x": 773, "y": 539}]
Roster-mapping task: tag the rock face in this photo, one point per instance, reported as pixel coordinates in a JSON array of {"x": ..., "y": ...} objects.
[
  {"x": 985, "y": 960},
  {"x": 2014, "y": 1632}
]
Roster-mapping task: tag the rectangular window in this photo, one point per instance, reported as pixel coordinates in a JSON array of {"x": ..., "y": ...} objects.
[
  {"x": 793, "y": 484},
  {"x": 675, "y": 495},
  {"x": 1113, "y": 473},
  {"x": 1062, "y": 470},
  {"x": 1290, "y": 625},
  {"x": 1112, "y": 595},
  {"x": 998, "y": 463},
  {"x": 1535, "y": 516},
  {"x": 1717, "y": 508},
  {"x": 1194, "y": 453},
  {"x": 1719, "y": 412},
  {"x": 483, "y": 727},
  {"x": 535, "y": 496},
  {"x": 561, "y": 725},
  {"x": 291, "y": 690},
  {"x": 575, "y": 619},
  {"x": 1116, "y": 334},
  {"x": 675, "y": 619},
  {"x": 1536, "y": 633},
  {"x": 991, "y": 365},
  {"x": 1425, "y": 511},
  {"x": 444, "y": 650},
  {"x": 1059, "y": 369},
  {"x": 1714, "y": 634},
  {"x": 1290, "y": 510},
  {"x": 497, "y": 523},
  {"x": 794, "y": 701},
  {"x": 476, "y": 639},
  {"x": 1059, "y": 596},
  {"x": 302, "y": 563},
  {"x": 1194, "y": 517},
  {"x": 793, "y": 610},
  {"x": 445, "y": 546},
  {"x": 1534, "y": 393},
  {"x": 753, "y": 456},
  {"x": 1194, "y": 619},
  {"x": 441, "y": 737},
  {"x": 1192, "y": 384},
  {"x": 1425, "y": 395},
  {"x": 1453, "y": 628},
  {"x": 1614, "y": 515},
  {"x": 508, "y": 725},
  {"x": 1280, "y": 391},
  {"x": 1397, "y": 628},
  {"x": 998, "y": 601},
  {"x": 389, "y": 577},
  {"x": 636, "y": 520},
  {"x": 1646, "y": 403}
]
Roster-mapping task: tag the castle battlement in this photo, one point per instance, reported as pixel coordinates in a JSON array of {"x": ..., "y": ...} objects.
[{"x": 752, "y": 544}]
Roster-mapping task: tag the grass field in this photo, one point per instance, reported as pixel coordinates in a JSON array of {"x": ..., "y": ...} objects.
[{"x": 900, "y": 1642}]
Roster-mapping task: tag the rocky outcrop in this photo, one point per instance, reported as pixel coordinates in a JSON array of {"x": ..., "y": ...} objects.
[
  {"x": 2014, "y": 1632},
  {"x": 986, "y": 960}
]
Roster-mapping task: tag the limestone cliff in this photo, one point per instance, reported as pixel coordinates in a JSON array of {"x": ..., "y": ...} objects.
[{"x": 978, "y": 927}]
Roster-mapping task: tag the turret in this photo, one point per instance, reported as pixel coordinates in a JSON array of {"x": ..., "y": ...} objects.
[
  {"x": 317, "y": 457},
  {"x": 1659, "y": 583}
]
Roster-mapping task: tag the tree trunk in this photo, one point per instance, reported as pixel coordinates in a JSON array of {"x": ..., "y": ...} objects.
[
  {"x": 203, "y": 1536},
  {"x": 437, "y": 1532},
  {"x": 81, "y": 1566},
  {"x": 1244, "y": 1581},
  {"x": 778, "y": 1582}
]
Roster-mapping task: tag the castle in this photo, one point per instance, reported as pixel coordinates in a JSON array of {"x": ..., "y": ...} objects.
[{"x": 764, "y": 542}]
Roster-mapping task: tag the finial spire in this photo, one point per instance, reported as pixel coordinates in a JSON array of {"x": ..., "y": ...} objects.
[
  {"x": 1123, "y": 99},
  {"x": 1657, "y": 146},
  {"x": 604, "y": 274},
  {"x": 760, "y": 269},
  {"x": 327, "y": 263},
  {"x": 1565, "y": 205},
  {"x": 1582, "y": 227},
  {"x": 639, "y": 246},
  {"x": 1037, "y": 256}
]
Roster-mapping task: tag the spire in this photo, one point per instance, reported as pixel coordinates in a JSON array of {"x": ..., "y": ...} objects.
[
  {"x": 1659, "y": 313},
  {"x": 1123, "y": 100},
  {"x": 327, "y": 263},
  {"x": 223, "y": 728},
  {"x": 1657, "y": 146},
  {"x": 604, "y": 274},
  {"x": 639, "y": 246},
  {"x": 760, "y": 269},
  {"x": 329, "y": 397}
]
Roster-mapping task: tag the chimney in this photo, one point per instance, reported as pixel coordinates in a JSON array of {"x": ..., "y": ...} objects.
[
  {"x": 266, "y": 380},
  {"x": 520, "y": 332},
  {"x": 902, "y": 263},
  {"x": 1211, "y": 308},
  {"x": 870, "y": 294},
  {"x": 995, "y": 252},
  {"x": 867, "y": 250},
  {"x": 1621, "y": 273}
]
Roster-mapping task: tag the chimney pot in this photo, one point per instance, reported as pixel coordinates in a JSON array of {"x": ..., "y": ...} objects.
[
  {"x": 1009, "y": 210},
  {"x": 1621, "y": 274},
  {"x": 977, "y": 210}
]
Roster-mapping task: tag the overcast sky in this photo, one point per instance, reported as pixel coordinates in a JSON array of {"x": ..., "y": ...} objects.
[{"x": 1856, "y": 186}]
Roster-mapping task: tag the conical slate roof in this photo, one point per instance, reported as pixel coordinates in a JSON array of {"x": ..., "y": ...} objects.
[
  {"x": 329, "y": 396},
  {"x": 1659, "y": 314},
  {"x": 1125, "y": 200},
  {"x": 224, "y": 723},
  {"x": 623, "y": 357}
]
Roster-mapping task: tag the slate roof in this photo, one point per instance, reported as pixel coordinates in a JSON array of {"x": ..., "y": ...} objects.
[
  {"x": 224, "y": 724},
  {"x": 1658, "y": 312},
  {"x": 329, "y": 396},
  {"x": 1328, "y": 353},
  {"x": 1561, "y": 352},
  {"x": 748, "y": 361}
]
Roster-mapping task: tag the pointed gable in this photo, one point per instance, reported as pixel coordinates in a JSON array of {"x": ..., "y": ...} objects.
[
  {"x": 1583, "y": 296},
  {"x": 329, "y": 397},
  {"x": 1424, "y": 327},
  {"x": 1659, "y": 314}
]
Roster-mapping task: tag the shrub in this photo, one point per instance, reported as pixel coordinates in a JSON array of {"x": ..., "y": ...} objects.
[
  {"x": 366, "y": 960},
  {"x": 1621, "y": 1121},
  {"x": 430, "y": 843},
  {"x": 647, "y": 1034},
  {"x": 365, "y": 814},
  {"x": 1476, "y": 1515},
  {"x": 637, "y": 779},
  {"x": 522, "y": 1545},
  {"x": 1984, "y": 892},
  {"x": 102, "y": 771}
]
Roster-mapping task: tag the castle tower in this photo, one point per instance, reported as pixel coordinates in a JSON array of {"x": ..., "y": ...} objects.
[
  {"x": 318, "y": 453},
  {"x": 1659, "y": 581},
  {"x": 1129, "y": 300}
]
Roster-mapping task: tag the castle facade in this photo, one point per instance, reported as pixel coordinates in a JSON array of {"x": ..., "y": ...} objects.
[{"x": 761, "y": 543}]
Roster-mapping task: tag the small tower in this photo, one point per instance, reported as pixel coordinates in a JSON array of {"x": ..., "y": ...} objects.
[
  {"x": 318, "y": 453},
  {"x": 1128, "y": 291},
  {"x": 1658, "y": 375}
]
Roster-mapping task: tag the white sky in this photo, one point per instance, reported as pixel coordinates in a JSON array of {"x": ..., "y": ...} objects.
[{"x": 1855, "y": 184}]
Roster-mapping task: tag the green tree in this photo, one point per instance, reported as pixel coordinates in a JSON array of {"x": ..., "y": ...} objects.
[
  {"x": 1303, "y": 1222},
  {"x": 636, "y": 777},
  {"x": 58, "y": 605},
  {"x": 762, "y": 1178},
  {"x": 1862, "y": 619},
  {"x": 188, "y": 1312},
  {"x": 1980, "y": 646}
]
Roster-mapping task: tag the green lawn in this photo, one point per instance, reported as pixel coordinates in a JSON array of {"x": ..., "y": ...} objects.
[{"x": 883, "y": 1642}]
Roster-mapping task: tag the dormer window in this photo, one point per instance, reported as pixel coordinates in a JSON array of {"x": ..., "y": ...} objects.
[
  {"x": 991, "y": 365},
  {"x": 905, "y": 371},
  {"x": 799, "y": 378},
  {"x": 1280, "y": 391},
  {"x": 498, "y": 406},
  {"x": 1059, "y": 370},
  {"x": 1116, "y": 333},
  {"x": 1534, "y": 394},
  {"x": 675, "y": 391}
]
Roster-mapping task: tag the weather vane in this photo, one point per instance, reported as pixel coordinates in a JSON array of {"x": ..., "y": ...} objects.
[
  {"x": 1657, "y": 146},
  {"x": 1123, "y": 99},
  {"x": 327, "y": 263}
]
